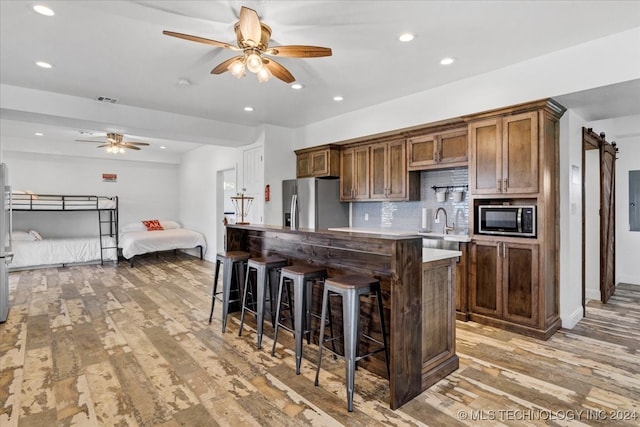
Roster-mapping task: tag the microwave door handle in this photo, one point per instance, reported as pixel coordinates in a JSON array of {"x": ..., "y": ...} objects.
[{"x": 519, "y": 220}]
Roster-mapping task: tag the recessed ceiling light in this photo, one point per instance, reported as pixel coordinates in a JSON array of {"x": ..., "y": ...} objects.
[
  {"x": 184, "y": 82},
  {"x": 296, "y": 86},
  {"x": 338, "y": 98},
  {"x": 39, "y": 133},
  {"x": 44, "y": 64},
  {"x": 248, "y": 109},
  {"x": 43, "y": 10},
  {"x": 447, "y": 61},
  {"x": 162, "y": 147},
  {"x": 406, "y": 37}
]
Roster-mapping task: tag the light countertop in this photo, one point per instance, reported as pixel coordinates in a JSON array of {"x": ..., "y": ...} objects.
[{"x": 390, "y": 232}]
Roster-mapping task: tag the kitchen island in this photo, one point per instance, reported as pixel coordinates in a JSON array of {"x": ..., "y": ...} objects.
[{"x": 418, "y": 287}]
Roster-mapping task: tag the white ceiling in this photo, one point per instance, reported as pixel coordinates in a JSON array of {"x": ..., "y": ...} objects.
[{"x": 116, "y": 49}]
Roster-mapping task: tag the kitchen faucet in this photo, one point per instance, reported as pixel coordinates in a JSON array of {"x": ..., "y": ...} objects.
[{"x": 446, "y": 229}]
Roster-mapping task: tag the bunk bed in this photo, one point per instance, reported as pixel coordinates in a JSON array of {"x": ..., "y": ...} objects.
[
  {"x": 151, "y": 236},
  {"x": 32, "y": 250}
]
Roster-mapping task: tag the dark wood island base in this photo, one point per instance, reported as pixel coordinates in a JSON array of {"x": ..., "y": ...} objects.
[{"x": 418, "y": 297}]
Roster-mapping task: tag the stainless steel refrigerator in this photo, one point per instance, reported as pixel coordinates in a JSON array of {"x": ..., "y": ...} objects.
[
  {"x": 5, "y": 242},
  {"x": 313, "y": 203}
]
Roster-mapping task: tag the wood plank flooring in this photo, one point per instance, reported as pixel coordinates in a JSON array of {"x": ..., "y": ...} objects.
[{"x": 120, "y": 346}]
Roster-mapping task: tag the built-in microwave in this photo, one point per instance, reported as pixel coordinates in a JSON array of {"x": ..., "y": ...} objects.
[{"x": 510, "y": 220}]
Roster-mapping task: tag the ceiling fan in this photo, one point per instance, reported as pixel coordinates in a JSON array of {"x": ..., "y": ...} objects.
[
  {"x": 253, "y": 41},
  {"x": 115, "y": 143}
]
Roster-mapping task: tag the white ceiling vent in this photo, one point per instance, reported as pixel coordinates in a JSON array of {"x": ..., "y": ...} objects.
[{"x": 106, "y": 99}]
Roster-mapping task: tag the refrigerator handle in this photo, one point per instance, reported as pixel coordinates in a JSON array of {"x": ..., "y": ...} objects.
[{"x": 294, "y": 212}]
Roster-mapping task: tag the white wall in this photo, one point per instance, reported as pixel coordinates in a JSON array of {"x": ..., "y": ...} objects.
[
  {"x": 280, "y": 164},
  {"x": 571, "y": 309},
  {"x": 145, "y": 190},
  {"x": 197, "y": 187},
  {"x": 627, "y": 242}
]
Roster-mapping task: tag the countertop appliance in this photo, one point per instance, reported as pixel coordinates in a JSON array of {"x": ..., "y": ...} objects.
[
  {"x": 508, "y": 220},
  {"x": 5, "y": 242},
  {"x": 313, "y": 203}
]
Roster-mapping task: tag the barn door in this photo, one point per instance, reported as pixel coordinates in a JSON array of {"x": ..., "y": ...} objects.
[{"x": 607, "y": 220}]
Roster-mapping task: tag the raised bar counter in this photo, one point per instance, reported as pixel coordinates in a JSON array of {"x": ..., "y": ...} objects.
[{"x": 418, "y": 297}]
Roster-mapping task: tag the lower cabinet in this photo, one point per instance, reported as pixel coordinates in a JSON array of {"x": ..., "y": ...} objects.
[
  {"x": 462, "y": 280},
  {"x": 504, "y": 281}
]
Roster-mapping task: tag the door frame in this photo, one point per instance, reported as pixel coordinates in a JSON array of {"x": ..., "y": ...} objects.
[{"x": 593, "y": 141}]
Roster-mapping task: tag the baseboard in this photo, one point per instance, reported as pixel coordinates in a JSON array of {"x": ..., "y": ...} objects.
[
  {"x": 629, "y": 279},
  {"x": 568, "y": 322},
  {"x": 592, "y": 294}
]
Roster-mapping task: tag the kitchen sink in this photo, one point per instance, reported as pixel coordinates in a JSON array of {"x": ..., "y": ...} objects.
[{"x": 438, "y": 242}]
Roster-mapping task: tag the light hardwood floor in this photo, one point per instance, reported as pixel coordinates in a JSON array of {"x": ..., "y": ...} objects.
[{"x": 118, "y": 346}]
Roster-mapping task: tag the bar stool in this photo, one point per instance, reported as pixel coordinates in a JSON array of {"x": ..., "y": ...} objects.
[
  {"x": 351, "y": 287},
  {"x": 232, "y": 261},
  {"x": 302, "y": 277},
  {"x": 264, "y": 267}
]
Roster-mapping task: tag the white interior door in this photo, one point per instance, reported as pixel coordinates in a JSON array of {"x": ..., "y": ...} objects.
[{"x": 253, "y": 182}]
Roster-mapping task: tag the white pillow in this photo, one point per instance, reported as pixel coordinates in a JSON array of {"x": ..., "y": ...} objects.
[
  {"x": 134, "y": 226},
  {"x": 168, "y": 224},
  {"x": 22, "y": 235},
  {"x": 35, "y": 234}
]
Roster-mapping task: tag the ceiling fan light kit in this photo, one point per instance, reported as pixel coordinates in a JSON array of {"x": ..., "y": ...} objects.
[
  {"x": 252, "y": 38},
  {"x": 115, "y": 143}
]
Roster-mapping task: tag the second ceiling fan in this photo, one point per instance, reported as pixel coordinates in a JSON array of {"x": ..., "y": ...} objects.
[{"x": 253, "y": 41}]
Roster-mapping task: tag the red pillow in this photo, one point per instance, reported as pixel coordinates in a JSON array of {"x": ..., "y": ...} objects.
[{"x": 153, "y": 225}]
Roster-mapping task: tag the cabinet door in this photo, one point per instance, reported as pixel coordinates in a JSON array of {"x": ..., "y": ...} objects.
[
  {"x": 422, "y": 151},
  {"x": 485, "y": 171},
  {"x": 361, "y": 173},
  {"x": 486, "y": 278},
  {"x": 520, "y": 283},
  {"x": 379, "y": 170},
  {"x": 520, "y": 153},
  {"x": 453, "y": 147},
  {"x": 347, "y": 174},
  {"x": 397, "y": 170},
  {"x": 319, "y": 163},
  {"x": 303, "y": 165}
]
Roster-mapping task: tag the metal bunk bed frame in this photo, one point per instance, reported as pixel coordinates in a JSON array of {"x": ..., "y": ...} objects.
[{"x": 107, "y": 216}]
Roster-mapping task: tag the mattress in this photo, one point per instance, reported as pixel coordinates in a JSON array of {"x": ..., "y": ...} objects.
[
  {"x": 61, "y": 251},
  {"x": 54, "y": 202},
  {"x": 141, "y": 242}
]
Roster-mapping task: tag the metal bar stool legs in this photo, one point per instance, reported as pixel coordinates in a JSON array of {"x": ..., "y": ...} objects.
[
  {"x": 232, "y": 261},
  {"x": 263, "y": 267},
  {"x": 351, "y": 288},
  {"x": 302, "y": 277}
]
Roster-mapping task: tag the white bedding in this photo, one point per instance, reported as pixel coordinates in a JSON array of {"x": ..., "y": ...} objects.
[
  {"x": 61, "y": 251},
  {"x": 141, "y": 242},
  {"x": 53, "y": 202}
]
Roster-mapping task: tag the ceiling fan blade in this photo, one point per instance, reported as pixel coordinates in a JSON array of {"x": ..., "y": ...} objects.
[
  {"x": 278, "y": 70},
  {"x": 86, "y": 140},
  {"x": 200, "y": 40},
  {"x": 128, "y": 145},
  {"x": 134, "y": 143},
  {"x": 224, "y": 66},
  {"x": 250, "y": 26},
  {"x": 298, "y": 51},
  {"x": 104, "y": 145}
]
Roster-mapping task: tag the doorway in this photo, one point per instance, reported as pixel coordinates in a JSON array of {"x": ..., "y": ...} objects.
[
  {"x": 598, "y": 158},
  {"x": 226, "y": 183}
]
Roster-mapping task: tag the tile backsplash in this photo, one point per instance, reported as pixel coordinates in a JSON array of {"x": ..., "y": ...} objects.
[{"x": 408, "y": 215}]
